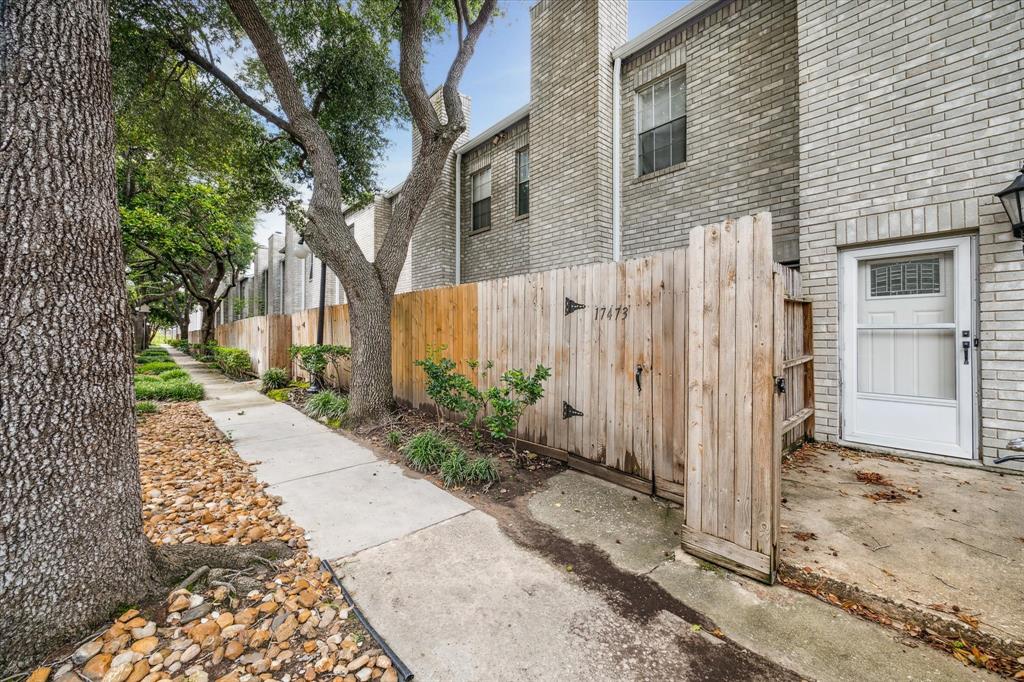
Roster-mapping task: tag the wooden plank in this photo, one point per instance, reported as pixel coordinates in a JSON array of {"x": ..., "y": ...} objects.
[
  {"x": 726, "y": 448},
  {"x": 800, "y": 360},
  {"x": 797, "y": 419},
  {"x": 763, "y": 388},
  {"x": 709, "y": 470},
  {"x": 775, "y": 492},
  {"x": 695, "y": 377},
  {"x": 680, "y": 377},
  {"x": 725, "y": 553},
  {"x": 661, "y": 392},
  {"x": 609, "y": 474},
  {"x": 744, "y": 380}
]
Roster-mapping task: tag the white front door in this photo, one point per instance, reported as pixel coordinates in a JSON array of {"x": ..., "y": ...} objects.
[{"x": 907, "y": 346}]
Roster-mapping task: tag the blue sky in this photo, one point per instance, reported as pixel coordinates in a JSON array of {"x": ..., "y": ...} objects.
[{"x": 497, "y": 80}]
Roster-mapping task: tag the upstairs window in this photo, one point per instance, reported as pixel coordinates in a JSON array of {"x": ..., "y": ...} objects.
[
  {"x": 661, "y": 124},
  {"x": 523, "y": 181},
  {"x": 482, "y": 199}
]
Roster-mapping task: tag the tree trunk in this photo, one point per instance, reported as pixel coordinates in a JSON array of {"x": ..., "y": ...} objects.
[
  {"x": 72, "y": 546},
  {"x": 370, "y": 392},
  {"x": 183, "y": 329},
  {"x": 209, "y": 322}
]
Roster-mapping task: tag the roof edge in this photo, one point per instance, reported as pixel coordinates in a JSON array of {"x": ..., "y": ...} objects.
[
  {"x": 666, "y": 25},
  {"x": 477, "y": 140}
]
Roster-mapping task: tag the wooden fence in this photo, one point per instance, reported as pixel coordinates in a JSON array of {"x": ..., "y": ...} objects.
[{"x": 668, "y": 372}]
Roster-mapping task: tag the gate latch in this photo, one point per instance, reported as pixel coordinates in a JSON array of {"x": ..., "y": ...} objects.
[
  {"x": 569, "y": 411},
  {"x": 572, "y": 306},
  {"x": 780, "y": 384}
]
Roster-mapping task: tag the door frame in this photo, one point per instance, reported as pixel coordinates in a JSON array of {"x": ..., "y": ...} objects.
[{"x": 965, "y": 306}]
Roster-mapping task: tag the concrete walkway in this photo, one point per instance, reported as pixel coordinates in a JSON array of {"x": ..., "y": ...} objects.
[{"x": 575, "y": 584}]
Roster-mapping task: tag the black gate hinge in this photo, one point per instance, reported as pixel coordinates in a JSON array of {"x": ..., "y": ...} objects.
[
  {"x": 572, "y": 306},
  {"x": 780, "y": 384},
  {"x": 569, "y": 411}
]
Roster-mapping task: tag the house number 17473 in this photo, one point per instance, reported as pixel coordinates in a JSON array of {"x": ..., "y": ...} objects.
[{"x": 619, "y": 312}]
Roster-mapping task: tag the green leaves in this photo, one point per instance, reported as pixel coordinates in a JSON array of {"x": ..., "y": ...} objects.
[{"x": 315, "y": 358}]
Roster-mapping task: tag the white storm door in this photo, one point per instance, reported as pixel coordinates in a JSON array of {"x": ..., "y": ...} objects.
[{"x": 907, "y": 351}]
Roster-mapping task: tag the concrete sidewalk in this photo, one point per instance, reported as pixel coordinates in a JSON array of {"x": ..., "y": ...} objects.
[{"x": 573, "y": 584}]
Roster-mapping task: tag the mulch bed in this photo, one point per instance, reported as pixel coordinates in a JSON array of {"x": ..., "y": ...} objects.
[{"x": 285, "y": 620}]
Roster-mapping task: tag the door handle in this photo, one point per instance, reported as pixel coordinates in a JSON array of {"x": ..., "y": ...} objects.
[
  {"x": 966, "y": 345},
  {"x": 639, "y": 372}
]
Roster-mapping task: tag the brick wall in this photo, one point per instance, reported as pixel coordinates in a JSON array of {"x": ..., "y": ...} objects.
[
  {"x": 910, "y": 118},
  {"x": 433, "y": 240},
  {"x": 570, "y": 129},
  {"x": 503, "y": 249},
  {"x": 740, "y": 65}
]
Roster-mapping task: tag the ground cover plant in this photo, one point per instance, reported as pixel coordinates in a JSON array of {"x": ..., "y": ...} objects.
[
  {"x": 145, "y": 407},
  {"x": 173, "y": 390},
  {"x": 173, "y": 374},
  {"x": 155, "y": 367},
  {"x": 327, "y": 406},
  {"x": 430, "y": 452}
]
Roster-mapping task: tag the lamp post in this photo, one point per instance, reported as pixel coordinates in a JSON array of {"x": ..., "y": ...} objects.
[
  {"x": 302, "y": 251},
  {"x": 1012, "y": 198}
]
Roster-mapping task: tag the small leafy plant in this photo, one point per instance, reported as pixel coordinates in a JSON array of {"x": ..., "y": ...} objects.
[
  {"x": 394, "y": 438},
  {"x": 315, "y": 359},
  {"x": 274, "y": 377},
  {"x": 145, "y": 407},
  {"x": 449, "y": 389},
  {"x": 509, "y": 400},
  {"x": 481, "y": 470},
  {"x": 453, "y": 468},
  {"x": 173, "y": 390},
  {"x": 327, "y": 405},
  {"x": 171, "y": 374}
]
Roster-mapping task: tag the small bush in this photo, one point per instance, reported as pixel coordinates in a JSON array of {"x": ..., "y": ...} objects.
[
  {"x": 235, "y": 362},
  {"x": 174, "y": 390},
  {"x": 275, "y": 377},
  {"x": 145, "y": 407},
  {"x": 173, "y": 374},
  {"x": 147, "y": 356},
  {"x": 394, "y": 438},
  {"x": 179, "y": 344},
  {"x": 482, "y": 470},
  {"x": 154, "y": 367},
  {"x": 427, "y": 449},
  {"x": 315, "y": 359},
  {"x": 453, "y": 468},
  {"x": 327, "y": 405}
]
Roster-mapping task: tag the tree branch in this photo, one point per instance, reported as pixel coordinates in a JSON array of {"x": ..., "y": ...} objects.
[{"x": 450, "y": 89}]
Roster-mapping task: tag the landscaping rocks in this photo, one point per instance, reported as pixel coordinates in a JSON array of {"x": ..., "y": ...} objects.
[{"x": 282, "y": 623}]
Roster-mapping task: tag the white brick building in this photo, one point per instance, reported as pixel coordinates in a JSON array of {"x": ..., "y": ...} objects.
[{"x": 874, "y": 131}]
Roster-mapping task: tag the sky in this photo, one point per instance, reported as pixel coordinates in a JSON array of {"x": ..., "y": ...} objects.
[{"x": 497, "y": 81}]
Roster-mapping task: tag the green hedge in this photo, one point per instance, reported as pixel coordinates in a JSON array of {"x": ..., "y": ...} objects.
[
  {"x": 235, "y": 362},
  {"x": 154, "y": 367}
]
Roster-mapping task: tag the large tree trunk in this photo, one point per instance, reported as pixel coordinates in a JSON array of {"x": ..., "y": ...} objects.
[
  {"x": 71, "y": 538},
  {"x": 370, "y": 393},
  {"x": 183, "y": 329}
]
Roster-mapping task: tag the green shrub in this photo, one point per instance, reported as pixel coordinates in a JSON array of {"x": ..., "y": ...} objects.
[
  {"x": 235, "y": 362},
  {"x": 327, "y": 405},
  {"x": 145, "y": 407},
  {"x": 427, "y": 449},
  {"x": 482, "y": 470},
  {"x": 179, "y": 344},
  {"x": 173, "y": 374},
  {"x": 175, "y": 390},
  {"x": 147, "y": 377},
  {"x": 517, "y": 391},
  {"x": 394, "y": 438},
  {"x": 275, "y": 377},
  {"x": 314, "y": 359},
  {"x": 147, "y": 356},
  {"x": 154, "y": 367}
]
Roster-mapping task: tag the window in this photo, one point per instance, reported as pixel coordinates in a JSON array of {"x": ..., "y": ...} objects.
[
  {"x": 661, "y": 124},
  {"x": 482, "y": 199},
  {"x": 523, "y": 181},
  {"x": 905, "y": 278}
]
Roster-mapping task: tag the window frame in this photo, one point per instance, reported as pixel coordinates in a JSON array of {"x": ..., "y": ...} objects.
[
  {"x": 667, "y": 125},
  {"x": 474, "y": 201},
  {"x": 522, "y": 151}
]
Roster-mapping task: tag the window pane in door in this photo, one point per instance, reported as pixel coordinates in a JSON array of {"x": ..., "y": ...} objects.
[{"x": 915, "y": 363}]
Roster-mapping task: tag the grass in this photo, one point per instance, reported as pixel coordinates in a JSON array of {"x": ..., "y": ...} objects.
[
  {"x": 481, "y": 470},
  {"x": 274, "y": 378},
  {"x": 327, "y": 405},
  {"x": 146, "y": 377},
  {"x": 154, "y": 367},
  {"x": 394, "y": 438},
  {"x": 145, "y": 407},
  {"x": 173, "y": 390},
  {"x": 453, "y": 468},
  {"x": 281, "y": 395},
  {"x": 427, "y": 449},
  {"x": 173, "y": 374}
]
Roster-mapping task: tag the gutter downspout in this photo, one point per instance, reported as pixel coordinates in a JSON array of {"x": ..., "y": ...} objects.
[
  {"x": 458, "y": 218},
  {"x": 617, "y": 159}
]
